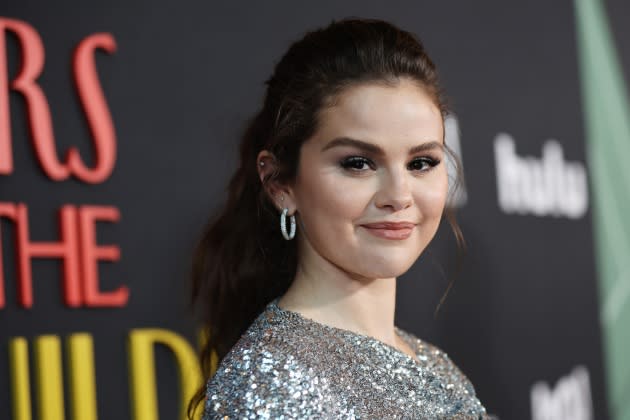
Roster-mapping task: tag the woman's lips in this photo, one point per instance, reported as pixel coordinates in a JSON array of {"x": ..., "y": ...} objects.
[{"x": 389, "y": 230}]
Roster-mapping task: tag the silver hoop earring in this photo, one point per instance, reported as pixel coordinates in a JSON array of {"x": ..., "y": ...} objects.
[{"x": 283, "y": 225}]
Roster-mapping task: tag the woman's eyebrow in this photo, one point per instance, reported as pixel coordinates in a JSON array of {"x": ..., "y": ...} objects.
[{"x": 374, "y": 149}]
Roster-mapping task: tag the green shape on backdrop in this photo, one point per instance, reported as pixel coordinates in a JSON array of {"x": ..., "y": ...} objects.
[{"x": 607, "y": 114}]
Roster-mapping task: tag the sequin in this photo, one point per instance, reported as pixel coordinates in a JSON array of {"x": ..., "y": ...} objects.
[{"x": 286, "y": 366}]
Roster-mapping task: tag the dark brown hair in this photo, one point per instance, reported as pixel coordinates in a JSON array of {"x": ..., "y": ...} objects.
[{"x": 241, "y": 261}]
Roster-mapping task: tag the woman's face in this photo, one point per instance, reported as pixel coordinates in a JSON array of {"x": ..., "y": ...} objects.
[{"x": 377, "y": 157}]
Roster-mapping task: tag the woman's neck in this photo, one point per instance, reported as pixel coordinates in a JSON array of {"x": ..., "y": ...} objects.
[{"x": 326, "y": 294}]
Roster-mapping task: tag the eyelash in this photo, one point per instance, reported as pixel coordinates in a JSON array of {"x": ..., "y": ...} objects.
[{"x": 349, "y": 161}]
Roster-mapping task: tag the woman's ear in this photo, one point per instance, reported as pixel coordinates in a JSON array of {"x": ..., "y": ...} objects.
[{"x": 279, "y": 194}]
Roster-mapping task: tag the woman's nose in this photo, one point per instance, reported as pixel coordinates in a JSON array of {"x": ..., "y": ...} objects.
[{"x": 394, "y": 190}]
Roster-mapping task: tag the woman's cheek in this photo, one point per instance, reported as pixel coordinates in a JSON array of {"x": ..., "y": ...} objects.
[
  {"x": 344, "y": 195},
  {"x": 432, "y": 197},
  {"x": 320, "y": 202}
]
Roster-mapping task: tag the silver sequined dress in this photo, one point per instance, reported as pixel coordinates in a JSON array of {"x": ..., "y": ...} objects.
[{"x": 286, "y": 366}]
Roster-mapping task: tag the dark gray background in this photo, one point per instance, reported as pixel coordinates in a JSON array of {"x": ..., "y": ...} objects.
[{"x": 185, "y": 78}]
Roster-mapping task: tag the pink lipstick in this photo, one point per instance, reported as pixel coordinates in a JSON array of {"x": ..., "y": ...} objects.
[{"x": 390, "y": 230}]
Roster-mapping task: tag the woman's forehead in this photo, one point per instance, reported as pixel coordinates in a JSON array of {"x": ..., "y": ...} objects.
[{"x": 381, "y": 114}]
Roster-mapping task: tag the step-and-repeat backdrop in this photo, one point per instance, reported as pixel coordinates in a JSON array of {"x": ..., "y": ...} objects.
[{"x": 119, "y": 124}]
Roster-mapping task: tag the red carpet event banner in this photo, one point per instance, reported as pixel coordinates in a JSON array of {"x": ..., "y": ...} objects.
[{"x": 119, "y": 124}]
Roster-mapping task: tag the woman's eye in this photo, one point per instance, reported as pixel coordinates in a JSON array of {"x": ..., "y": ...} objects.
[
  {"x": 423, "y": 164},
  {"x": 356, "y": 163},
  {"x": 360, "y": 164}
]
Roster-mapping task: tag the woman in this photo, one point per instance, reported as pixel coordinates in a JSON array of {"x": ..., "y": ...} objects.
[{"x": 348, "y": 153}]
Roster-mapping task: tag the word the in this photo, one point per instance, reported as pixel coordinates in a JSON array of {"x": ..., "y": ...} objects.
[{"x": 77, "y": 248}]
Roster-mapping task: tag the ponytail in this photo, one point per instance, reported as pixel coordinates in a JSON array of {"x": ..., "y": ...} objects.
[{"x": 241, "y": 261}]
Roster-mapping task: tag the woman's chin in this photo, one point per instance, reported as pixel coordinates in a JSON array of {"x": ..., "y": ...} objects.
[{"x": 390, "y": 271}]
